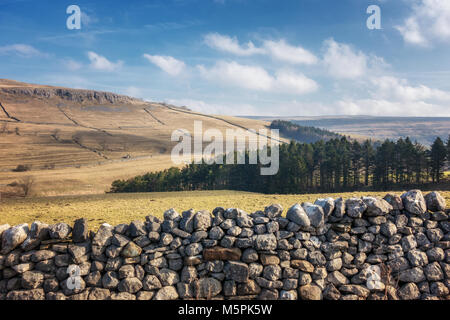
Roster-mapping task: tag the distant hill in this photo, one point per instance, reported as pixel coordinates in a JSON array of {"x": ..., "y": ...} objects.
[
  {"x": 421, "y": 129},
  {"x": 302, "y": 133}
]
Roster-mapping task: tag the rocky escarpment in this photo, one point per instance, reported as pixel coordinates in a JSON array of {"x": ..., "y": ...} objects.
[
  {"x": 335, "y": 249},
  {"x": 73, "y": 95}
]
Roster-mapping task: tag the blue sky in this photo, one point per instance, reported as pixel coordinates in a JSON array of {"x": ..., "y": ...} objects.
[{"x": 240, "y": 57}]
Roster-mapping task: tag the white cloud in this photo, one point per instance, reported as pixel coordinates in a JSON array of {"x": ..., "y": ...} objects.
[
  {"x": 295, "y": 83},
  {"x": 21, "y": 50},
  {"x": 283, "y": 51},
  {"x": 227, "y": 44},
  {"x": 168, "y": 64},
  {"x": 233, "y": 73},
  {"x": 391, "y": 96},
  {"x": 257, "y": 78},
  {"x": 429, "y": 20},
  {"x": 99, "y": 62},
  {"x": 278, "y": 50},
  {"x": 398, "y": 89},
  {"x": 343, "y": 62}
]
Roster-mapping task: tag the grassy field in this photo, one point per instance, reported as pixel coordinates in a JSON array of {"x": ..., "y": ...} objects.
[{"x": 124, "y": 208}]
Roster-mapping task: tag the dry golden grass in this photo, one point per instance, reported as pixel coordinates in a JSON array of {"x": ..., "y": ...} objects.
[
  {"x": 45, "y": 139},
  {"x": 124, "y": 208}
]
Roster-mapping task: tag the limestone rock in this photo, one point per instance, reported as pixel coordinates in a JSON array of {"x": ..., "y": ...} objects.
[
  {"x": 414, "y": 202},
  {"x": 265, "y": 242},
  {"x": 131, "y": 250},
  {"x": 435, "y": 202},
  {"x": 327, "y": 205},
  {"x": 315, "y": 214},
  {"x": 355, "y": 207},
  {"x": 39, "y": 231},
  {"x": 13, "y": 237},
  {"x": 237, "y": 271},
  {"x": 376, "y": 206},
  {"x": 80, "y": 232},
  {"x": 310, "y": 292},
  {"x": 166, "y": 293},
  {"x": 298, "y": 215},
  {"x": 59, "y": 231}
]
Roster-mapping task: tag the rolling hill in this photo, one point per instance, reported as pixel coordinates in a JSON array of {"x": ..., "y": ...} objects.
[
  {"x": 62, "y": 141},
  {"x": 421, "y": 129}
]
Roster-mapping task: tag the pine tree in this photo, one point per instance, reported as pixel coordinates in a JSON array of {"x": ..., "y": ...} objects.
[{"x": 438, "y": 155}]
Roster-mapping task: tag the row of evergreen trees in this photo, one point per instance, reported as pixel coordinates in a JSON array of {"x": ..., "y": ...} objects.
[{"x": 323, "y": 166}]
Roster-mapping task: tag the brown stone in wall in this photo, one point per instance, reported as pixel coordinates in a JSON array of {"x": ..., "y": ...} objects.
[{"x": 219, "y": 253}]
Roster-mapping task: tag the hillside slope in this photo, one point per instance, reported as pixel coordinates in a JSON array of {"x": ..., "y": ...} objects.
[{"x": 72, "y": 141}]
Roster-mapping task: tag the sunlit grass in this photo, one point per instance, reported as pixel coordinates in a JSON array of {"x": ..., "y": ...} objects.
[{"x": 124, "y": 208}]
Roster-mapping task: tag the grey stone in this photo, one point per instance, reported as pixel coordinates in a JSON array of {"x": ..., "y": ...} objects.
[
  {"x": 249, "y": 255},
  {"x": 355, "y": 207},
  {"x": 130, "y": 285},
  {"x": 417, "y": 258},
  {"x": 409, "y": 291},
  {"x": 415, "y": 275},
  {"x": 216, "y": 233},
  {"x": 435, "y": 254},
  {"x": 244, "y": 220},
  {"x": 414, "y": 202},
  {"x": 326, "y": 204},
  {"x": 32, "y": 279},
  {"x": 80, "y": 232},
  {"x": 395, "y": 201},
  {"x": 315, "y": 214},
  {"x": 193, "y": 249},
  {"x": 151, "y": 282},
  {"x": 310, "y": 292},
  {"x": 39, "y": 231},
  {"x": 59, "y": 231},
  {"x": 339, "y": 208},
  {"x": 187, "y": 221},
  {"x": 376, "y": 206},
  {"x": 208, "y": 288},
  {"x": 137, "y": 229},
  {"x": 126, "y": 271},
  {"x": 298, "y": 215},
  {"x": 273, "y": 211},
  {"x": 103, "y": 236},
  {"x": 265, "y": 242},
  {"x": 171, "y": 215},
  {"x": 42, "y": 255},
  {"x": 433, "y": 272},
  {"x": 131, "y": 250},
  {"x": 237, "y": 271},
  {"x": 388, "y": 229},
  {"x": 435, "y": 202},
  {"x": 168, "y": 277},
  {"x": 272, "y": 272},
  {"x": 202, "y": 220},
  {"x": 34, "y": 294},
  {"x": 166, "y": 293},
  {"x": 13, "y": 237},
  {"x": 110, "y": 280}
]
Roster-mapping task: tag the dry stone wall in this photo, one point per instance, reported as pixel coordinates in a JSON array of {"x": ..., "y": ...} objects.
[{"x": 353, "y": 249}]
